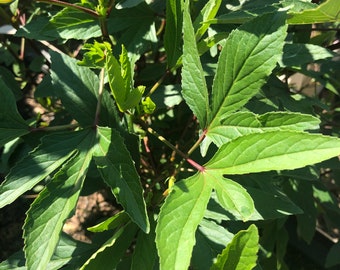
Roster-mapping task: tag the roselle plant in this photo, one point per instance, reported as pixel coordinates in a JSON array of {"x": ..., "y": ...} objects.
[{"x": 183, "y": 110}]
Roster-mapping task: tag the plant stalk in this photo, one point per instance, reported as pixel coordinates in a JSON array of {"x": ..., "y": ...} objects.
[
  {"x": 174, "y": 148},
  {"x": 56, "y": 128},
  {"x": 70, "y": 5},
  {"x": 198, "y": 142},
  {"x": 100, "y": 95},
  {"x": 158, "y": 83}
]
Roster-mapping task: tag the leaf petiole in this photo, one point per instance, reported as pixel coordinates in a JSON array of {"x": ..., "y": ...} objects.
[{"x": 176, "y": 150}]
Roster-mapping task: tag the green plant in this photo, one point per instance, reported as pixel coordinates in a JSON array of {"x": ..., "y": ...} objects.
[{"x": 221, "y": 147}]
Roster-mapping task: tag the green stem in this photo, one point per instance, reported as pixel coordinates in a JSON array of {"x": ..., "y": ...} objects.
[
  {"x": 100, "y": 94},
  {"x": 158, "y": 83},
  {"x": 198, "y": 142},
  {"x": 191, "y": 150},
  {"x": 174, "y": 148},
  {"x": 70, "y": 5},
  {"x": 56, "y": 128},
  {"x": 129, "y": 121},
  {"x": 104, "y": 30},
  {"x": 110, "y": 7}
]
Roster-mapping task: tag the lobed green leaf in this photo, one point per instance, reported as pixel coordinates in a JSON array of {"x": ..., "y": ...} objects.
[
  {"x": 47, "y": 213},
  {"x": 118, "y": 171},
  {"x": 241, "y": 253},
  {"x": 211, "y": 238},
  {"x": 247, "y": 58},
  {"x": 68, "y": 254},
  {"x": 145, "y": 254},
  {"x": 76, "y": 87},
  {"x": 178, "y": 219},
  {"x": 111, "y": 252},
  {"x": 12, "y": 125},
  {"x": 242, "y": 123},
  {"x": 111, "y": 223},
  {"x": 194, "y": 87},
  {"x": 173, "y": 31},
  {"x": 298, "y": 54},
  {"x": 326, "y": 12},
  {"x": 71, "y": 23},
  {"x": 208, "y": 12},
  {"x": 120, "y": 80},
  {"x": 247, "y": 10},
  {"x": 232, "y": 196},
  {"x": 273, "y": 150},
  {"x": 50, "y": 155}
]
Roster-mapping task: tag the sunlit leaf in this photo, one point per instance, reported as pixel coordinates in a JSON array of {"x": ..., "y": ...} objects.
[
  {"x": 327, "y": 11},
  {"x": 211, "y": 238},
  {"x": 232, "y": 196},
  {"x": 54, "y": 150},
  {"x": 118, "y": 171},
  {"x": 94, "y": 55},
  {"x": 247, "y": 58},
  {"x": 47, "y": 214},
  {"x": 178, "y": 220},
  {"x": 274, "y": 150},
  {"x": 241, "y": 252},
  {"x": 120, "y": 80},
  {"x": 246, "y": 11},
  {"x": 195, "y": 91},
  {"x": 289, "y": 121},
  {"x": 111, "y": 223},
  {"x": 71, "y": 23},
  {"x": 208, "y": 12},
  {"x": 241, "y": 123}
]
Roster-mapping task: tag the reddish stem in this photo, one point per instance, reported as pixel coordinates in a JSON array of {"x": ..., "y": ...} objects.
[{"x": 195, "y": 165}]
